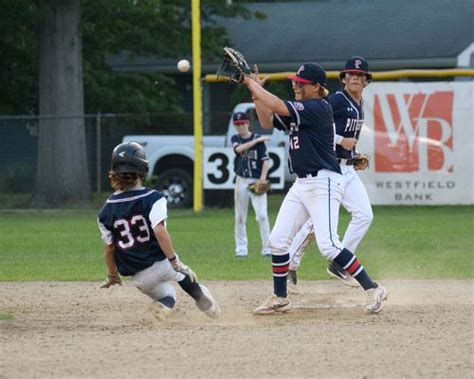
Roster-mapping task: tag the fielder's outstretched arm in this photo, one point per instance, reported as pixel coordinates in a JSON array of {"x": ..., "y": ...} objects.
[
  {"x": 247, "y": 145},
  {"x": 264, "y": 114},
  {"x": 272, "y": 102}
]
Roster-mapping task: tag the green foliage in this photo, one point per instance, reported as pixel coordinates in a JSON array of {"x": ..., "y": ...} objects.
[
  {"x": 146, "y": 28},
  {"x": 18, "y": 56},
  {"x": 403, "y": 242}
]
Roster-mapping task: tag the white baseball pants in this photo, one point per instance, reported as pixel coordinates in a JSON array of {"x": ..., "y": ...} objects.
[
  {"x": 356, "y": 201},
  {"x": 315, "y": 198},
  {"x": 155, "y": 281},
  {"x": 242, "y": 196}
]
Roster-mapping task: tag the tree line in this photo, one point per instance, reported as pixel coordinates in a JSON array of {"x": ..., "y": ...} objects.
[{"x": 53, "y": 62}]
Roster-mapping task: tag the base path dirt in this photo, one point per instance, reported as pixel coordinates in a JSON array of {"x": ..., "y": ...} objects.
[{"x": 73, "y": 329}]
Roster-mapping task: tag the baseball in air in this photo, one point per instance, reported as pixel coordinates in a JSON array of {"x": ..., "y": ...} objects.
[{"x": 183, "y": 65}]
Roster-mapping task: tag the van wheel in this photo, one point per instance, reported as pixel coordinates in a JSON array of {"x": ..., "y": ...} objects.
[{"x": 177, "y": 186}]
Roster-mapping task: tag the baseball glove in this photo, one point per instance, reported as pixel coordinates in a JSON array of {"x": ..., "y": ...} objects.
[
  {"x": 259, "y": 188},
  {"x": 234, "y": 66},
  {"x": 361, "y": 161}
]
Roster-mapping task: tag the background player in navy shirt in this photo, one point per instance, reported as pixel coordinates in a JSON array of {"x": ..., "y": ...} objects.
[
  {"x": 137, "y": 244},
  {"x": 348, "y": 109},
  {"x": 251, "y": 165},
  {"x": 318, "y": 189}
]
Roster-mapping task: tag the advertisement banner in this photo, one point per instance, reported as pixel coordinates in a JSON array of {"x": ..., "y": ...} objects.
[{"x": 420, "y": 139}]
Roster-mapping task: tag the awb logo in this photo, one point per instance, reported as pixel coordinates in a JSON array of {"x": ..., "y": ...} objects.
[{"x": 413, "y": 132}]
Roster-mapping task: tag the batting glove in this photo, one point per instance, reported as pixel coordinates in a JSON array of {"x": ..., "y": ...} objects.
[
  {"x": 178, "y": 266},
  {"x": 111, "y": 280}
]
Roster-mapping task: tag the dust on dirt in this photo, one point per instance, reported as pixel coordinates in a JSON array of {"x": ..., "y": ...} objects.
[{"x": 73, "y": 329}]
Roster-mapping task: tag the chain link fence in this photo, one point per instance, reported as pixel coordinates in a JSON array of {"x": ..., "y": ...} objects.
[{"x": 19, "y": 146}]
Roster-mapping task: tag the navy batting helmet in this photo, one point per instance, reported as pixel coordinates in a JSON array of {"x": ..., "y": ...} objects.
[
  {"x": 354, "y": 65},
  {"x": 129, "y": 157}
]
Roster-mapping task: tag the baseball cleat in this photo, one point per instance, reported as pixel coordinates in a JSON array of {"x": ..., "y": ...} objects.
[
  {"x": 213, "y": 311},
  {"x": 274, "y": 305},
  {"x": 160, "y": 311},
  {"x": 292, "y": 283},
  {"x": 241, "y": 254},
  {"x": 375, "y": 299},
  {"x": 292, "y": 277},
  {"x": 335, "y": 271}
]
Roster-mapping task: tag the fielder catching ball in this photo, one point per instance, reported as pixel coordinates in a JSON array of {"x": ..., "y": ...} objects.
[
  {"x": 348, "y": 109},
  {"x": 319, "y": 187}
]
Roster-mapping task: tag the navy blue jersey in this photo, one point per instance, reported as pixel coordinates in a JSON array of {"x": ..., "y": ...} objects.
[
  {"x": 349, "y": 118},
  {"x": 248, "y": 164},
  {"x": 126, "y": 221},
  {"x": 312, "y": 136}
]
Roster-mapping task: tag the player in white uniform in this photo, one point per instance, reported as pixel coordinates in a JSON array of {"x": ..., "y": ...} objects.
[
  {"x": 318, "y": 189},
  {"x": 348, "y": 109},
  {"x": 251, "y": 165}
]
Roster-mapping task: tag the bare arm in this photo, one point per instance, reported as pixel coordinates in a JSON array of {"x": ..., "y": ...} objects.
[
  {"x": 265, "y": 115},
  {"x": 110, "y": 259},
  {"x": 164, "y": 240},
  {"x": 113, "y": 276},
  {"x": 247, "y": 145},
  {"x": 265, "y": 169},
  {"x": 272, "y": 102},
  {"x": 348, "y": 143}
]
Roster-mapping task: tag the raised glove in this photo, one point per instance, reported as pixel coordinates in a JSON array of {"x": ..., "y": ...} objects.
[
  {"x": 361, "y": 161},
  {"x": 259, "y": 188},
  {"x": 178, "y": 266},
  {"x": 111, "y": 280},
  {"x": 234, "y": 66}
]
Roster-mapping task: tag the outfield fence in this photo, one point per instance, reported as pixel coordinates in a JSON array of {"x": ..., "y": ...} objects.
[
  {"x": 19, "y": 134},
  {"x": 19, "y": 143}
]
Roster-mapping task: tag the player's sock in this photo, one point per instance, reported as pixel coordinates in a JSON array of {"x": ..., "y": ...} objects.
[
  {"x": 193, "y": 289},
  {"x": 352, "y": 265},
  {"x": 167, "y": 301},
  {"x": 280, "y": 265}
]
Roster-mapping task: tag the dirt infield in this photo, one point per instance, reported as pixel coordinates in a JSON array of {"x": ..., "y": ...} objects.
[{"x": 75, "y": 330}]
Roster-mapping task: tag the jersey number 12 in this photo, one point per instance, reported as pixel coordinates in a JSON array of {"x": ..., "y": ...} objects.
[{"x": 294, "y": 143}]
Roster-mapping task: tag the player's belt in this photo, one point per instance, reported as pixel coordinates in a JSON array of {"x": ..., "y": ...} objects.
[
  {"x": 309, "y": 175},
  {"x": 345, "y": 162}
]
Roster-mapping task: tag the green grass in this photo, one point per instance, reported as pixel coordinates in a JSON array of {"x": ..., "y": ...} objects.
[
  {"x": 403, "y": 242},
  {"x": 6, "y": 316}
]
